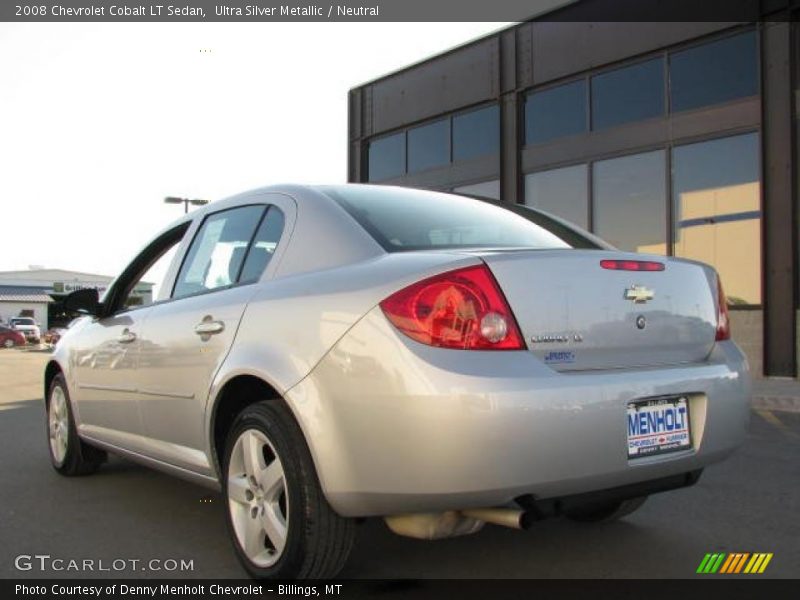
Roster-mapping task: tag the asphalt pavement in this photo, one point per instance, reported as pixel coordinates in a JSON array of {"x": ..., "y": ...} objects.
[{"x": 127, "y": 513}]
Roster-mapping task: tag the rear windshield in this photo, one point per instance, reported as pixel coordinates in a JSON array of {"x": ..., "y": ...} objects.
[
  {"x": 22, "y": 321},
  {"x": 406, "y": 219}
]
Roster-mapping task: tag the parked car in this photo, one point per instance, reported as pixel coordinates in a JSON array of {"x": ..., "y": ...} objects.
[
  {"x": 53, "y": 335},
  {"x": 322, "y": 354},
  {"x": 11, "y": 337},
  {"x": 28, "y": 327}
]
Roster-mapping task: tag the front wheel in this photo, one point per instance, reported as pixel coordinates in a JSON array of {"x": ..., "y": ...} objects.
[
  {"x": 8, "y": 343},
  {"x": 69, "y": 454},
  {"x": 606, "y": 513},
  {"x": 280, "y": 522}
]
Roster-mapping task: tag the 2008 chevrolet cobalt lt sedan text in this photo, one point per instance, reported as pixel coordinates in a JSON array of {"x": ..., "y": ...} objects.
[{"x": 334, "y": 352}]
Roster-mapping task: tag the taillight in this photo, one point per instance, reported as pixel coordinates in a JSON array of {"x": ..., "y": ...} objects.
[
  {"x": 632, "y": 265},
  {"x": 723, "y": 320},
  {"x": 462, "y": 309}
]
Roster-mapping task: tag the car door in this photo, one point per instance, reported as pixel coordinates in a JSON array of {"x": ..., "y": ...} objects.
[
  {"x": 105, "y": 354},
  {"x": 189, "y": 336}
]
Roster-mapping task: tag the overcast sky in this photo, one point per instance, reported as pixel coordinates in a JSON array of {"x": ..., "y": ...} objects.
[{"x": 98, "y": 122}]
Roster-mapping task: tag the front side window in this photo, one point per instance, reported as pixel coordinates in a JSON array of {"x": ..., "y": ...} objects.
[
  {"x": 218, "y": 251},
  {"x": 716, "y": 198}
]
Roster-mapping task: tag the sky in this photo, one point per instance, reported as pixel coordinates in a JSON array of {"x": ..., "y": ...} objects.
[{"x": 99, "y": 122}]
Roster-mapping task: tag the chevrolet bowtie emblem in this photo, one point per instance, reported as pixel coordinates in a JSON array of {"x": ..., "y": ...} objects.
[{"x": 639, "y": 294}]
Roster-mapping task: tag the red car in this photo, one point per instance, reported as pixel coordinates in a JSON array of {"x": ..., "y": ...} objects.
[{"x": 11, "y": 337}]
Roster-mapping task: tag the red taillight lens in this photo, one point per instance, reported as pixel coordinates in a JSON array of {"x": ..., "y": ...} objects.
[
  {"x": 462, "y": 309},
  {"x": 723, "y": 320},
  {"x": 632, "y": 265}
]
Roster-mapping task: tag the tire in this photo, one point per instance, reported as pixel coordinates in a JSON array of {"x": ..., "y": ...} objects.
[
  {"x": 278, "y": 490},
  {"x": 606, "y": 513},
  {"x": 8, "y": 343},
  {"x": 69, "y": 454}
]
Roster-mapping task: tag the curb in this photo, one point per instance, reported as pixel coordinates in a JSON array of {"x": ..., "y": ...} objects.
[{"x": 778, "y": 403}]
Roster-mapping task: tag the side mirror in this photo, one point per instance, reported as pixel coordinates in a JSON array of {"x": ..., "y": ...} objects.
[{"x": 85, "y": 301}]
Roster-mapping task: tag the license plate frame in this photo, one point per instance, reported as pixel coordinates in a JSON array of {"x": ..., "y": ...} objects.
[{"x": 643, "y": 441}]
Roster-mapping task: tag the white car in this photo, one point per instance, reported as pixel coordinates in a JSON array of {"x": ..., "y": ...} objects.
[
  {"x": 322, "y": 354},
  {"x": 28, "y": 327}
]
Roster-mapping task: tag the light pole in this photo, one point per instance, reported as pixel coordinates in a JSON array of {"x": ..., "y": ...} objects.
[{"x": 185, "y": 201}]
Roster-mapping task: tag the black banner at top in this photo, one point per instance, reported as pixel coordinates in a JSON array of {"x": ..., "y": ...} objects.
[{"x": 393, "y": 10}]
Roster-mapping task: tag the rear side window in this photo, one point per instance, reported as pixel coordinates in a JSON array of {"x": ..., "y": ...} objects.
[
  {"x": 218, "y": 251},
  {"x": 406, "y": 219},
  {"x": 263, "y": 246}
]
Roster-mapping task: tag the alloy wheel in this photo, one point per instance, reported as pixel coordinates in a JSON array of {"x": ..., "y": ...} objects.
[
  {"x": 58, "y": 422},
  {"x": 257, "y": 498}
]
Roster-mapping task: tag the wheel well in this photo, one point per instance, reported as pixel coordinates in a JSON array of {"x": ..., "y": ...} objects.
[
  {"x": 237, "y": 394},
  {"x": 50, "y": 372}
]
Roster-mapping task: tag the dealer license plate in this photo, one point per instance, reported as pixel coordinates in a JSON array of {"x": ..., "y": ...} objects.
[{"x": 658, "y": 426}]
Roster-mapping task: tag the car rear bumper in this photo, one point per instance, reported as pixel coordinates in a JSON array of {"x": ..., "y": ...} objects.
[{"x": 396, "y": 427}]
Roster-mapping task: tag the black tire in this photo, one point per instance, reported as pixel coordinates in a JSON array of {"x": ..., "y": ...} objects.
[
  {"x": 605, "y": 513},
  {"x": 80, "y": 458},
  {"x": 317, "y": 540}
]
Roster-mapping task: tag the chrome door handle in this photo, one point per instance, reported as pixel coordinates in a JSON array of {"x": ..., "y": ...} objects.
[
  {"x": 208, "y": 327},
  {"x": 126, "y": 337}
]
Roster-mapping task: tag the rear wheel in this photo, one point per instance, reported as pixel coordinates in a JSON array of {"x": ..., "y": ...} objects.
[
  {"x": 69, "y": 454},
  {"x": 8, "y": 343},
  {"x": 606, "y": 513},
  {"x": 281, "y": 525}
]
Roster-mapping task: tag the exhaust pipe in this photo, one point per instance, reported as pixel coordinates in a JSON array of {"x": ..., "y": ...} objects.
[
  {"x": 505, "y": 517},
  {"x": 452, "y": 523}
]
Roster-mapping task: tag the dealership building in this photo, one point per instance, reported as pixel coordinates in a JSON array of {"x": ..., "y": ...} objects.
[
  {"x": 38, "y": 293},
  {"x": 668, "y": 138}
]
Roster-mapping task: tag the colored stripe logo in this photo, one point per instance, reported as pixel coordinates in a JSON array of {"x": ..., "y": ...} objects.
[{"x": 735, "y": 562}]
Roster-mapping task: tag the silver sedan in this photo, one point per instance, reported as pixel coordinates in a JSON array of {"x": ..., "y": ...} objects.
[{"x": 323, "y": 354}]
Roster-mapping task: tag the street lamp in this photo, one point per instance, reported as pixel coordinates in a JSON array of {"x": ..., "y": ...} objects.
[{"x": 185, "y": 201}]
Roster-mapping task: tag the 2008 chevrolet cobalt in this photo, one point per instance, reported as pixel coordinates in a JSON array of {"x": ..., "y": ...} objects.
[{"x": 334, "y": 352}]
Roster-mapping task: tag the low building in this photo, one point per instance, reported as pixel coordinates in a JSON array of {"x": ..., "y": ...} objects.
[{"x": 38, "y": 293}]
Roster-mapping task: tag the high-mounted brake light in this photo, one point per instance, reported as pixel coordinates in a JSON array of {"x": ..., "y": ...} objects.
[
  {"x": 632, "y": 265},
  {"x": 462, "y": 309},
  {"x": 723, "y": 319}
]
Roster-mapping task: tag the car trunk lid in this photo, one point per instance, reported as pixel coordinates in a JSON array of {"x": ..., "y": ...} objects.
[{"x": 576, "y": 315}]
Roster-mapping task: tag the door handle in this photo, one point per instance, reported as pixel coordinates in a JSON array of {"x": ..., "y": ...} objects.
[
  {"x": 126, "y": 337},
  {"x": 208, "y": 327}
]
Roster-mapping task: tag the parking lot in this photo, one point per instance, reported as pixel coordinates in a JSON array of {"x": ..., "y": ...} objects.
[{"x": 747, "y": 504}]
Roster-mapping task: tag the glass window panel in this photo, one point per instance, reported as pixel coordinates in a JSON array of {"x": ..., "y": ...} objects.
[
  {"x": 264, "y": 245},
  {"x": 555, "y": 112},
  {"x": 429, "y": 146},
  {"x": 387, "y": 157},
  {"x": 217, "y": 251},
  {"x": 716, "y": 72},
  {"x": 563, "y": 192},
  {"x": 630, "y": 202},
  {"x": 489, "y": 189},
  {"x": 476, "y": 133},
  {"x": 716, "y": 195},
  {"x": 628, "y": 94}
]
